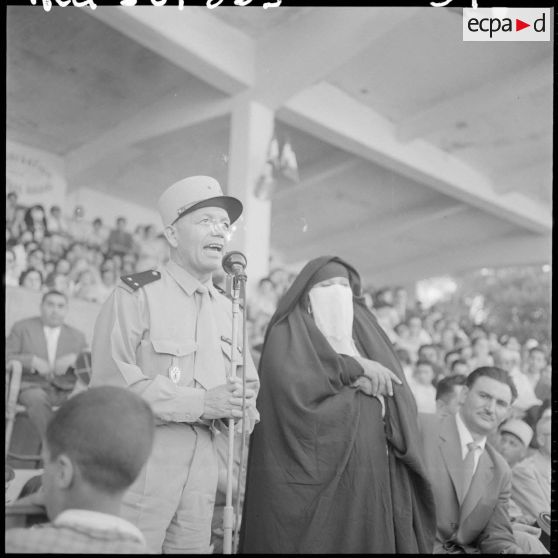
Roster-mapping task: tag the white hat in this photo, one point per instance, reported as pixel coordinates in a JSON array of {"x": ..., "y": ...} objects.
[
  {"x": 193, "y": 193},
  {"x": 520, "y": 429}
]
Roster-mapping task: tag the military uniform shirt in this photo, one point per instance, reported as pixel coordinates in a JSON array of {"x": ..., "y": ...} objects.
[{"x": 141, "y": 333}]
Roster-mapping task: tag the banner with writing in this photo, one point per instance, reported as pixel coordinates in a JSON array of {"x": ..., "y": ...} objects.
[{"x": 35, "y": 175}]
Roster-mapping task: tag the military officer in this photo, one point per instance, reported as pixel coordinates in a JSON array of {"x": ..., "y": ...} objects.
[{"x": 165, "y": 334}]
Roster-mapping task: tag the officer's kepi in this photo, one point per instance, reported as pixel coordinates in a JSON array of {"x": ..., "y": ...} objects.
[{"x": 193, "y": 193}]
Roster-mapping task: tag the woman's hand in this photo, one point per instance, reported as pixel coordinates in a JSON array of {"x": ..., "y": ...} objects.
[
  {"x": 381, "y": 378},
  {"x": 363, "y": 384}
]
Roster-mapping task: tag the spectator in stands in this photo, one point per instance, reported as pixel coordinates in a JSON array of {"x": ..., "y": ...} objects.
[
  {"x": 76, "y": 251},
  {"x": 31, "y": 279},
  {"x": 36, "y": 259},
  {"x": 543, "y": 389},
  {"x": 531, "y": 477},
  {"x": 463, "y": 343},
  {"x": 129, "y": 262},
  {"x": 431, "y": 353},
  {"x": 17, "y": 226},
  {"x": 78, "y": 266},
  {"x": 514, "y": 437},
  {"x": 512, "y": 442},
  {"x": 536, "y": 363},
  {"x": 78, "y": 228},
  {"x": 59, "y": 282},
  {"x": 472, "y": 514},
  {"x": 476, "y": 332},
  {"x": 450, "y": 357},
  {"x": 448, "y": 391},
  {"x": 63, "y": 266},
  {"x": 120, "y": 241},
  {"x": 47, "y": 348},
  {"x": 460, "y": 367},
  {"x": 58, "y": 245},
  {"x": 11, "y": 275},
  {"x": 35, "y": 219},
  {"x": 510, "y": 360},
  {"x": 417, "y": 336},
  {"x": 428, "y": 352},
  {"x": 481, "y": 352},
  {"x": 448, "y": 339},
  {"x": 87, "y": 287},
  {"x": 50, "y": 267},
  {"x": 95, "y": 447},
  {"x": 438, "y": 327},
  {"x": 422, "y": 387},
  {"x": 11, "y": 206},
  {"x": 56, "y": 221},
  {"x": 385, "y": 313},
  {"x": 98, "y": 236},
  {"x": 400, "y": 303},
  {"x": 107, "y": 284}
]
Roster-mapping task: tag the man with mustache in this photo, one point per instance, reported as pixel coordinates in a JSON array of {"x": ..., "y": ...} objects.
[{"x": 470, "y": 479}]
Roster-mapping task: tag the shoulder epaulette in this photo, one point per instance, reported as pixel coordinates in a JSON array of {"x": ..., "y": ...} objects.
[{"x": 137, "y": 280}]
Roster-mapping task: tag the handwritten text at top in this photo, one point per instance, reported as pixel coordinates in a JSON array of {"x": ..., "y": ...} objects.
[{"x": 211, "y": 4}]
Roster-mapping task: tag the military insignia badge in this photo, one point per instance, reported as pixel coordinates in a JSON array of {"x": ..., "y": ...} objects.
[{"x": 174, "y": 374}]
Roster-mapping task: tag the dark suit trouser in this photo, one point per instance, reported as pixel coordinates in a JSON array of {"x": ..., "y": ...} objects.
[{"x": 39, "y": 400}]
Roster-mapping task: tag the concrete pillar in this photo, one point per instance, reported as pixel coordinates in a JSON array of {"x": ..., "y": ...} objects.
[{"x": 251, "y": 131}]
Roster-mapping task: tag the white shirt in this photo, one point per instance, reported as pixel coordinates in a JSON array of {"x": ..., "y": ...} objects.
[
  {"x": 97, "y": 520},
  {"x": 51, "y": 335},
  {"x": 466, "y": 438}
]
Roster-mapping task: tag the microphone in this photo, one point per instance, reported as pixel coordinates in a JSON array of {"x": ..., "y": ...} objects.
[{"x": 234, "y": 263}]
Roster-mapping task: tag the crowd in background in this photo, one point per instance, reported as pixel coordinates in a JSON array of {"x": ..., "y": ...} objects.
[
  {"x": 71, "y": 254},
  {"x": 430, "y": 344}
]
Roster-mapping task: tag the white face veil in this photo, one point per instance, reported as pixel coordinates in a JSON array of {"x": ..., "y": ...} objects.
[{"x": 332, "y": 308}]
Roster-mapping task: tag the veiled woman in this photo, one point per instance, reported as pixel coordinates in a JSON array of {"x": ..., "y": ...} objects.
[{"x": 333, "y": 468}]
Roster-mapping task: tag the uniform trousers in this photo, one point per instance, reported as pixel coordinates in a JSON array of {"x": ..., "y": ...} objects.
[{"x": 172, "y": 500}]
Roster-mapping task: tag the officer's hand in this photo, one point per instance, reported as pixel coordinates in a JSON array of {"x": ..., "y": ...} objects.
[
  {"x": 225, "y": 401},
  {"x": 41, "y": 366},
  {"x": 380, "y": 377}
]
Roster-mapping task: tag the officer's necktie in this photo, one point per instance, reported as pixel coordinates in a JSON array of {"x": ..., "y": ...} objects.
[
  {"x": 469, "y": 466},
  {"x": 209, "y": 368}
]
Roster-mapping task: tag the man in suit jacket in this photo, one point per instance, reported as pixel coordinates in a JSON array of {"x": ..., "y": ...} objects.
[
  {"x": 47, "y": 348},
  {"x": 472, "y": 512}
]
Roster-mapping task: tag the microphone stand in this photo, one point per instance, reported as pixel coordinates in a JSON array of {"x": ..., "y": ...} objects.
[{"x": 239, "y": 282}]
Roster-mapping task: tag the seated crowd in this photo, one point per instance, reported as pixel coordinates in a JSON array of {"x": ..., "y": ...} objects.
[
  {"x": 77, "y": 257},
  {"x": 74, "y": 258}
]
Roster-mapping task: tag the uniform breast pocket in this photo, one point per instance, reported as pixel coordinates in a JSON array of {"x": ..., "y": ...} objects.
[
  {"x": 170, "y": 355},
  {"x": 226, "y": 348}
]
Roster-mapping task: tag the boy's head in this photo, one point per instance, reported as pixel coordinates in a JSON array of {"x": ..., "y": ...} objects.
[
  {"x": 424, "y": 372},
  {"x": 96, "y": 445}
]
